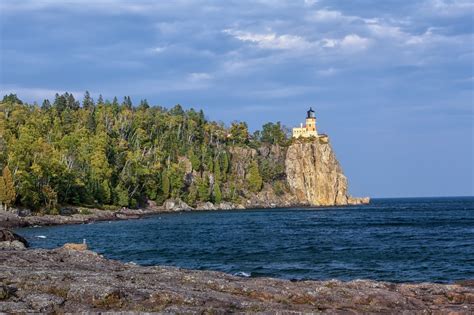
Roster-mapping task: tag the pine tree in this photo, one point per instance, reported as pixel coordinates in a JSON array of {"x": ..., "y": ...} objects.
[
  {"x": 217, "y": 194},
  {"x": 46, "y": 105},
  {"x": 10, "y": 193},
  {"x": 105, "y": 192},
  {"x": 203, "y": 189},
  {"x": 192, "y": 196},
  {"x": 254, "y": 179},
  {"x": 127, "y": 102},
  {"x": 100, "y": 100},
  {"x": 87, "y": 102},
  {"x": 121, "y": 196},
  {"x": 143, "y": 105},
  {"x": 165, "y": 185},
  {"x": 3, "y": 196},
  {"x": 60, "y": 103}
]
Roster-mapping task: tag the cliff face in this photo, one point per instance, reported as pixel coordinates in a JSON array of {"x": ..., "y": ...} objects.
[{"x": 315, "y": 176}]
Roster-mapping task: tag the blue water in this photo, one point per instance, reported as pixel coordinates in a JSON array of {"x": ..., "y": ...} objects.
[{"x": 409, "y": 240}]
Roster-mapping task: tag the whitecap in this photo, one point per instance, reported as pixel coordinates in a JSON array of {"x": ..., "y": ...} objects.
[
  {"x": 40, "y": 236},
  {"x": 243, "y": 274}
]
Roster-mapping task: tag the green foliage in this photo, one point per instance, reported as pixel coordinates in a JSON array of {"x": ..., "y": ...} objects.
[
  {"x": 254, "y": 179},
  {"x": 239, "y": 133},
  {"x": 9, "y": 194},
  {"x": 11, "y": 98},
  {"x": 279, "y": 187},
  {"x": 165, "y": 185},
  {"x": 203, "y": 189},
  {"x": 3, "y": 196},
  {"x": 121, "y": 196},
  {"x": 107, "y": 154},
  {"x": 192, "y": 196},
  {"x": 271, "y": 170},
  {"x": 216, "y": 193},
  {"x": 274, "y": 134}
]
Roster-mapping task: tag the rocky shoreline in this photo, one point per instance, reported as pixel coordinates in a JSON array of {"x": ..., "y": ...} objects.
[
  {"x": 63, "y": 280},
  {"x": 77, "y": 215}
]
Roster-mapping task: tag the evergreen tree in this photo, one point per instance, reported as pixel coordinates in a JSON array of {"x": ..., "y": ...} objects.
[
  {"x": 165, "y": 185},
  {"x": 46, "y": 105},
  {"x": 71, "y": 102},
  {"x": 217, "y": 194},
  {"x": 203, "y": 189},
  {"x": 143, "y": 105},
  {"x": 121, "y": 195},
  {"x": 100, "y": 100},
  {"x": 127, "y": 102},
  {"x": 60, "y": 102},
  {"x": 192, "y": 196},
  {"x": 254, "y": 179},
  {"x": 3, "y": 196},
  {"x": 12, "y": 99},
  {"x": 87, "y": 102},
  {"x": 10, "y": 193}
]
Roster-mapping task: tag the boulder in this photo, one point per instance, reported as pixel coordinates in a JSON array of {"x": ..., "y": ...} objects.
[
  {"x": 12, "y": 239},
  {"x": 205, "y": 206},
  {"x": 176, "y": 205}
]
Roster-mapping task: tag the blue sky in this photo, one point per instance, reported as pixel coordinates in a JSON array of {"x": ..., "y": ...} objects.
[{"x": 391, "y": 81}]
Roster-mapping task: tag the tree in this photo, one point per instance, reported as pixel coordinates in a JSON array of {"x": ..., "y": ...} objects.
[
  {"x": 274, "y": 133},
  {"x": 127, "y": 102},
  {"x": 239, "y": 132},
  {"x": 11, "y": 98},
  {"x": 192, "y": 196},
  {"x": 203, "y": 189},
  {"x": 254, "y": 179},
  {"x": 143, "y": 105},
  {"x": 100, "y": 100},
  {"x": 87, "y": 102},
  {"x": 71, "y": 102},
  {"x": 121, "y": 196},
  {"x": 46, "y": 105},
  {"x": 10, "y": 193},
  {"x": 165, "y": 185},
  {"x": 60, "y": 103},
  {"x": 216, "y": 194},
  {"x": 3, "y": 196}
]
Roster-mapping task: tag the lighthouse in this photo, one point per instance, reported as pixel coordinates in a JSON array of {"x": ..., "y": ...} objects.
[{"x": 308, "y": 130}]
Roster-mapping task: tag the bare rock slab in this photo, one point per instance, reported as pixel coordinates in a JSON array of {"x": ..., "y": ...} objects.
[{"x": 82, "y": 281}]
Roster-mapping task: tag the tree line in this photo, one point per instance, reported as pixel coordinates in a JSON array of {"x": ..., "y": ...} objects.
[{"x": 116, "y": 154}]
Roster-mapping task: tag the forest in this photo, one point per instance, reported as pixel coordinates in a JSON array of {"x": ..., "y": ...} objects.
[{"x": 111, "y": 154}]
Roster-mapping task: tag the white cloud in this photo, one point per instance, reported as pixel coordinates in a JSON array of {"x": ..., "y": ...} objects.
[
  {"x": 449, "y": 7},
  {"x": 272, "y": 40},
  {"x": 158, "y": 50},
  {"x": 351, "y": 42},
  {"x": 199, "y": 76},
  {"x": 310, "y": 2},
  {"x": 329, "y": 16},
  {"x": 355, "y": 42}
]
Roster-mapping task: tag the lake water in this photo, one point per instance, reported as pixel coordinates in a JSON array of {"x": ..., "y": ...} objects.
[{"x": 409, "y": 240}]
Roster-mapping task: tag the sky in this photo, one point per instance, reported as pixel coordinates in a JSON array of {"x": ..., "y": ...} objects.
[{"x": 391, "y": 81}]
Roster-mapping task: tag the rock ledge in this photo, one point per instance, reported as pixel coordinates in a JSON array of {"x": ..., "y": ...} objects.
[{"x": 82, "y": 281}]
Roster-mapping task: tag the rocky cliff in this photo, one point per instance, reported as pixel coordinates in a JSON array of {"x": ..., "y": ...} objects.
[
  {"x": 315, "y": 176},
  {"x": 306, "y": 173}
]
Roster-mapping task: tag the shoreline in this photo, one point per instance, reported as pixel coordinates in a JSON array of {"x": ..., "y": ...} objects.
[
  {"x": 11, "y": 220},
  {"x": 65, "y": 280}
]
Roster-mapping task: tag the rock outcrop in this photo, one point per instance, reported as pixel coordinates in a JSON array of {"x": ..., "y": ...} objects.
[
  {"x": 315, "y": 176},
  {"x": 64, "y": 281},
  {"x": 10, "y": 240}
]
